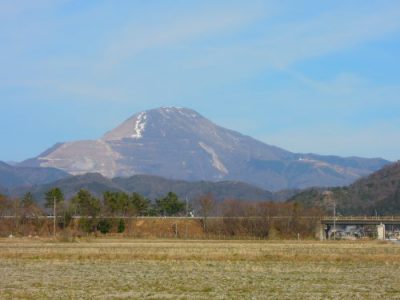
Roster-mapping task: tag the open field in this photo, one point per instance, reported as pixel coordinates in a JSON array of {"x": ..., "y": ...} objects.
[{"x": 160, "y": 269}]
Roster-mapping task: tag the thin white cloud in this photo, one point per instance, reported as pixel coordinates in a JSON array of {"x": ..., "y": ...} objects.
[
  {"x": 281, "y": 45},
  {"x": 329, "y": 33},
  {"x": 278, "y": 45},
  {"x": 73, "y": 89},
  {"x": 15, "y": 8},
  {"x": 343, "y": 83},
  {"x": 137, "y": 38}
]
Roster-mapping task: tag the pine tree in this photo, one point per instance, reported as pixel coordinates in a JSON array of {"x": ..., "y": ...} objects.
[{"x": 121, "y": 226}]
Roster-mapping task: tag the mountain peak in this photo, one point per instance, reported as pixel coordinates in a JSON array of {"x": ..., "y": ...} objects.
[
  {"x": 136, "y": 126},
  {"x": 179, "y": 143},
  {"x": 176, "y": 111}
]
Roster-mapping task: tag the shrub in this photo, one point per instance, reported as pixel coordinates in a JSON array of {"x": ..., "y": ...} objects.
[
  {"x": 121, "y": 226},
  {"x": 87, "y": 225},
  {"x": 104, "y": 226}
]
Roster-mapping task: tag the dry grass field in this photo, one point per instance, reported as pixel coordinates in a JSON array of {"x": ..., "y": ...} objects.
[{"x": 169, "y": 269}]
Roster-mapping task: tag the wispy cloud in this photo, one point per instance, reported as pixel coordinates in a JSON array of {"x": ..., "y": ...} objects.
[
  {"x": 13, "y": 9},
  {"x": 68, "y": 89},
  {"x": 190, "y": 40},
  {"x": 251, "y": 62},
  {"x": 136, "y": 38},
  {"x": 281, "y": 46},
  {"x": 329, "y": 33}
]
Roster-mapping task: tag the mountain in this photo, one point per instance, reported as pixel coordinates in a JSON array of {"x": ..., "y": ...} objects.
[
  {"x": 155, "y": 187},
  {"x": 179, "y": 143},
  {"x": 93, "y": 182},
  {"x": 12, "y": 176},
  {"x": 151, "y": 187},
  {"x": 377, "y": 193}
]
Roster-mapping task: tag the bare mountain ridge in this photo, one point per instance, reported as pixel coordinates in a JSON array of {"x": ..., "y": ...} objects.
[{"x": 179, "y": 143}]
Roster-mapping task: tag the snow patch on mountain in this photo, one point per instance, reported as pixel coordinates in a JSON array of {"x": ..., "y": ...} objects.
[
  {"x": 171, "y": 110},
  {"x": 180, "y": 143},
  {"x": 186, "y": 113},
  {"x": 215, "y": 159},
  {"x": 139, "y": 126}
]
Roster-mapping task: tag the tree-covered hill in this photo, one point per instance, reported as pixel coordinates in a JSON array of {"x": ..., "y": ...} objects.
[
  {"x": 151, "y": 187},
  {"x": 14, "y": 176},
  {"x": 378, "y": 193},
  {"x": 154, "y": 187}
]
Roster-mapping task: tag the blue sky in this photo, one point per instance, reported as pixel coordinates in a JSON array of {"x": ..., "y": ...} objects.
[{"x": 308, "y": 76}]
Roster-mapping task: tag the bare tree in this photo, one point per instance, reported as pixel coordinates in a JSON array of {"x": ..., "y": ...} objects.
[
  {"x": 206, "y": 205},
  {"x": 5, "y": 205}
]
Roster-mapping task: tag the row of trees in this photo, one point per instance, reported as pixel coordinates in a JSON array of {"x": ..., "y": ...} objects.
[
  {"x": 92, "y": 211},
  {"x": 114, "y": 209},
  {"x": 84, "y": 203},
  {"x": 114, "y": 204}
]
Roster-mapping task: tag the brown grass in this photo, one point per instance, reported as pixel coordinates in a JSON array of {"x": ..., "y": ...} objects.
[
  {"x": 202, "y": 251},
  {"x": 160, "y": 269}
]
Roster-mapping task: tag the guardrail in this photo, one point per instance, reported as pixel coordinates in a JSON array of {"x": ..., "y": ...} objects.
[{"x": 366, "y": 218}]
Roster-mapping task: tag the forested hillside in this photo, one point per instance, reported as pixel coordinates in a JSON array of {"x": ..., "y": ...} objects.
[{"x": 378, "y": 193}]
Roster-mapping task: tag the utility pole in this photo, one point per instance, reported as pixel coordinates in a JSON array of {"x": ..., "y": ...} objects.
[
  {"x": 54, "y": 216},
  {"x": 187, "y": 206},
  {"x": 334, "y": 219},
  {"x": 16, "y": 206},
  {"x": 329, "y": 197}
]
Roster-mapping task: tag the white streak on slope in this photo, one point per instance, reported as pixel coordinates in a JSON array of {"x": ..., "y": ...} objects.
[{"x": 215, "y": 159}]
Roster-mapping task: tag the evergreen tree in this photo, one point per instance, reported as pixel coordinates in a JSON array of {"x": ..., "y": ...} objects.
[
  {"x": 53, "y": 194},
  {"x": 104, "y": 226},
  {"x": 170, "y": 205},
  {"x": 139, "y": 203},
  {"x": 121, "y": 226},
  {"x": 117, "y": 203},
  {"x": 88, "y": 207},
  {"x": 86, "y": 204}
]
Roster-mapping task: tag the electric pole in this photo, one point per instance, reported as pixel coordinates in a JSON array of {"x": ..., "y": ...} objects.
[
  {"x": 330, "y": 199},
  {"x": 54, "y": 216},
  {"x": 334, "y": 219},
  {"x": 187, "y": 206}
]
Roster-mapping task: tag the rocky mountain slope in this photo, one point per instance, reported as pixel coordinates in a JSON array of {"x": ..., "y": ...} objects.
[
  {"x": 378, "y": 193},
  {"x": 179, "y": 143}
]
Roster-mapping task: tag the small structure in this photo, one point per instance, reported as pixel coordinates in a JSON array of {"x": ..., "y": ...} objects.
[
  {"x": 378, "y": 227},
  {"x": 381, "y": 231}
]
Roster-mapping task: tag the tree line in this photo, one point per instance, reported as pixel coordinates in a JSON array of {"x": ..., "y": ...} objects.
[
  {"x": 90, "y": 208},
  {"x": 83, "y": 203},
  {"x": 113, "y": 211}
]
